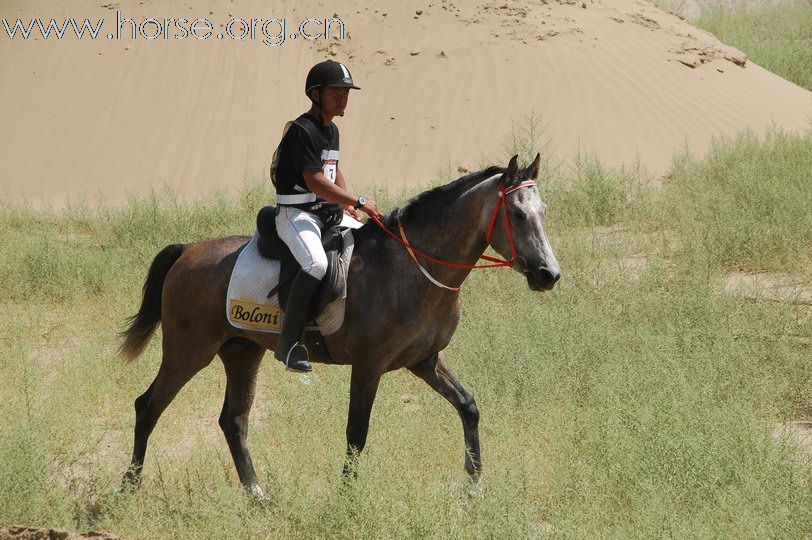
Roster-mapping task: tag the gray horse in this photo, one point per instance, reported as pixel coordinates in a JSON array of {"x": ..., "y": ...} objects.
[{"x": 391, "y": 277}]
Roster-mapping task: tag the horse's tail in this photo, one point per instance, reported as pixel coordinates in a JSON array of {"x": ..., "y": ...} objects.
[{"x": 143, "y": 324}]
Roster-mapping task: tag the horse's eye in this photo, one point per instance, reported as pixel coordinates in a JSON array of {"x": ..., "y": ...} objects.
[{"x": 520, "y": 215}]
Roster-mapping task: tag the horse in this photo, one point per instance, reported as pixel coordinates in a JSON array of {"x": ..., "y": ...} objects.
[{"x": 402, "y": 308}]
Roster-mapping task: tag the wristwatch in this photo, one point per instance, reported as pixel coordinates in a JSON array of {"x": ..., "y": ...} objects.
[{"x": 361, "y": 202}]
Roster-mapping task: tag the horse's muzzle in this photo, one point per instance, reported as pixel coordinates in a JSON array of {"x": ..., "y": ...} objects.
[{"x": 542, "y": 278}]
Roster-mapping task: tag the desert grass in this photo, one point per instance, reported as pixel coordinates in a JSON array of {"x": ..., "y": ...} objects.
[
  {"x": 637, "y": 399},
  {"x": 776, "y": 36}
]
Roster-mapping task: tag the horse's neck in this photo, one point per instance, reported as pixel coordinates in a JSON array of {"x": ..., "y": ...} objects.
[{"x": 457, "y": 235}]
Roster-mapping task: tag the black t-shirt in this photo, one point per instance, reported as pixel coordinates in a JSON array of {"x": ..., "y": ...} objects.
[{"x": 307, "y": 146}]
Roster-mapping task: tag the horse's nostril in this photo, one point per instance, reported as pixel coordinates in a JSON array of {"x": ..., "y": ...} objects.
[{"x": 549, "y": 275}]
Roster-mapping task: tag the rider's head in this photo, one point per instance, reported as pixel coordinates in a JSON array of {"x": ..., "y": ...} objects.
[{"x": 328, "y": 86}]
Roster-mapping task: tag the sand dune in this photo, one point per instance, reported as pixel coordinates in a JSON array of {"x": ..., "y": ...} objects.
[{"x": 443, "y": 82}]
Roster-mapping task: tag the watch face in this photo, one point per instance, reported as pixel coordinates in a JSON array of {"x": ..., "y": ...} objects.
[{"x": 362, "y": 201}]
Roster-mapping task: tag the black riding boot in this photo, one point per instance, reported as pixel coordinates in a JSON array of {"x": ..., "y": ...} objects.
[{"x": 291, "y": 350}]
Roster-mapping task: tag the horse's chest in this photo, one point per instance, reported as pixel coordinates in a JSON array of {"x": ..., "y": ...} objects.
[{"x": 433, "y": 326}]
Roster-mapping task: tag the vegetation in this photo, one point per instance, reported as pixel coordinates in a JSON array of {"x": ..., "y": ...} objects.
[
  {"x": 639, "y": 398},
  {"x": 776, "y": 36}
]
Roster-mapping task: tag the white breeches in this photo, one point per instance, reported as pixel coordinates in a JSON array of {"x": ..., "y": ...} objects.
[{"x": 301, "y": 231}]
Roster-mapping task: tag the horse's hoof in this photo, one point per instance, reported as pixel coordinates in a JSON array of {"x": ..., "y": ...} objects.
[
  {"x": 128, "y": 485},
  {"x": 476, "y": 488},
  {"x": 258, "y": 497}
]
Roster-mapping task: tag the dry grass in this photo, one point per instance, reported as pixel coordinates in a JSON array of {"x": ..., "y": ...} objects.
[{"x": 639, "y": 398}]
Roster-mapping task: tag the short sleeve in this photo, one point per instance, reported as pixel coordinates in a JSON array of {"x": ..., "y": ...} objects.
[{"x": 306, "y": 157}]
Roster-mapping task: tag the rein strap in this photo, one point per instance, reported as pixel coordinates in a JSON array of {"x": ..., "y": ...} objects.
[
  {"x": 425, "y": 272},
  {"x": 501, "y": 203}
]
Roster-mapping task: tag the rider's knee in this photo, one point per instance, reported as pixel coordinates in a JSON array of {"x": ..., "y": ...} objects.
[{"x": 317, "y": 267}]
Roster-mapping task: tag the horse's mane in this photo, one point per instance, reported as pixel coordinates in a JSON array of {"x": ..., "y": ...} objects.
[{"x": 437, "y": 199}]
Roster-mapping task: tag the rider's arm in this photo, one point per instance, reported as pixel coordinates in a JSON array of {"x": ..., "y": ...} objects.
[
  {"x": 307, "y": 161},
  {"x": 340, "y": 182},
  {"x": 318, "y": 184}
]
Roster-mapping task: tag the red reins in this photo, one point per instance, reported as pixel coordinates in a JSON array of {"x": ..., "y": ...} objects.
[{"x": 501, "y": 202}]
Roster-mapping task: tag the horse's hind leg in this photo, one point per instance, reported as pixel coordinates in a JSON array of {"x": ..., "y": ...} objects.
[
  {"x": 181, "y": 361},
  {"x": 438, "y": 374},
  {"x": 241, "y": 359}
]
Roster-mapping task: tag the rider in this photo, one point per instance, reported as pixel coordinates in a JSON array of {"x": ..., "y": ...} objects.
[{"x": 305, "y": 171}]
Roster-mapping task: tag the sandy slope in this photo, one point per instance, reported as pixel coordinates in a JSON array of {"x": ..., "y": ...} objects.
[{"x": 609, "y": 77}]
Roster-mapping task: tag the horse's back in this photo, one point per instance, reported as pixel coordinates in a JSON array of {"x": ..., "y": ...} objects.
[
  {"x": 213, "y": 252},
  {"x": 198, "y": 281},
  {"x": 208, "y": 262}
]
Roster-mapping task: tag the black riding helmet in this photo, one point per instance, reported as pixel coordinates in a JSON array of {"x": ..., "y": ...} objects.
[{"x": 328, "y": 73}]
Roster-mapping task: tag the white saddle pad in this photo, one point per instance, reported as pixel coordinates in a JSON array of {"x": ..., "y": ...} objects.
[{"x": 248, "y": 306}]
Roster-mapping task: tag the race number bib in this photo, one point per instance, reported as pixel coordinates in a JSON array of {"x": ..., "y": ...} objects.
[{"x": 329, "y": 160}]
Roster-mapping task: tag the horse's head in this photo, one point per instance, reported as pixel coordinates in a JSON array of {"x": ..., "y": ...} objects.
[{"x": 526, "y": 214}]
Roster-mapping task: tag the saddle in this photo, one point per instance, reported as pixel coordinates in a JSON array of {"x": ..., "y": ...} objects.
[{"x": 272, "y": 247}]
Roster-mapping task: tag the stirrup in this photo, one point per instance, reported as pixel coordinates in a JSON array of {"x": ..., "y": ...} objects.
[{"x": 297, "y": 359}]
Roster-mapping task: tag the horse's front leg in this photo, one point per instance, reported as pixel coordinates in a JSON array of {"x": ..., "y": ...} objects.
[
  {"x": 363, "y": 387},
  {"x": 438, "y": 374}
]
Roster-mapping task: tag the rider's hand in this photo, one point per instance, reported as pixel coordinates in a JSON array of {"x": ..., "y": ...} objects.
[
  {"x": 371, "y": 208},
  {"x": 352, "y": 212}
]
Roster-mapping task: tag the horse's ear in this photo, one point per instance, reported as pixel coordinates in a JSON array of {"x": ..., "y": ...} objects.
[
  {"x": 512, "y": 169},
  {"x": 533, "y": 170}
]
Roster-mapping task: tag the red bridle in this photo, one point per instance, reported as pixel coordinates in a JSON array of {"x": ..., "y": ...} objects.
[{"x": 501, "y": 202}]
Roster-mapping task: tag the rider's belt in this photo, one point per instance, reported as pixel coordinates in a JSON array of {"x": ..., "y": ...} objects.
[{"x": 296, "y": 199}]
